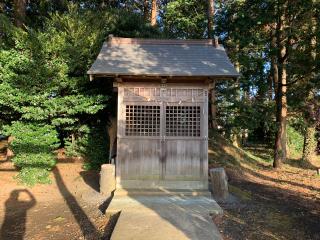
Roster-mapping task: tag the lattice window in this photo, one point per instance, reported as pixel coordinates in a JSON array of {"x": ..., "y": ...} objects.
[
  {"x": 142, "y": 120},
  {"x": 183, "y": 121}
]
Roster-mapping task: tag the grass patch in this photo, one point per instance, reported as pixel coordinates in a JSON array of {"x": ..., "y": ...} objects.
[{"x": 242, "y": 194}]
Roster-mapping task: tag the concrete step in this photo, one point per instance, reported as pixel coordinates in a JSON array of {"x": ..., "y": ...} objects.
[
  {"x": 164, "y": 217},
  {"x": 161, "y": 192}
]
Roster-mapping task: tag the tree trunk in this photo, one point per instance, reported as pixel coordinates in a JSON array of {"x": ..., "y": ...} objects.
[
  {"x": 280, "y": 153},
  {"x": 145, "y": 10},
  {"x": 1, "y": 7},
  {"x": 214, "y": 123},
  {"x": 154, "y": 14},
  {"x": 309, "y": 145},
  {"x": 237, "y": 133},
  {"x": 280, "y": 150},
  {"x": 274, "y": 66},
  {"x": 210, "y": 30},
  {"x": 19, "y": 7},
  {"x": 112, "y": 132},
  {"x": 211, "y": 19}
]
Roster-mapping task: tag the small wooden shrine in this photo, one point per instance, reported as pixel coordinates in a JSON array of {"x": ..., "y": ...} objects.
[{"x": 162, "y": 119}]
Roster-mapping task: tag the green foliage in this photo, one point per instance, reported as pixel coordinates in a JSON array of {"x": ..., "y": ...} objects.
[
  {"x": 33, "y": 146},
  {"x": 92, "y": 145},
  {"x": 43, "y": 66},
  {"x": 43, "y": 75},
  {"x": 31, "y": 176},
  {"x": 186, "y": 19},
  {"x": 295, "y": 141}
]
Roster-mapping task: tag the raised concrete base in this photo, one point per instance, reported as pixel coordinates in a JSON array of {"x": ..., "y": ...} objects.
[
  {"x": 156, "y": 184},
  {"x": 162, "y": 192},
  {"x": 160, "y": 217}
]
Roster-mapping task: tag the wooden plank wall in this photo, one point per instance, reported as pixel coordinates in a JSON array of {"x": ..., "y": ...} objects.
[{"x": 161, "y": 159}]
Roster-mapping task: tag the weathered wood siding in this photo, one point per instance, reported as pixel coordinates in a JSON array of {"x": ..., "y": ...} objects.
[{"x": 157, "y": 150}]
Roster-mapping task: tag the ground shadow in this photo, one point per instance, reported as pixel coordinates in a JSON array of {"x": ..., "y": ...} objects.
[
  {"x": 300, "y": 164},
  {"x": 283, "y": 210},
  {"x": 88, "y": 229},
  {"x": 91, "y": 178},
  {"x": 290, "y": 207},
  {"x": 110, "y": 226},
  {"x": 264, "y": 177},
  {"x": 14, "y": 224},
  {"x": 103, "y": 207}
]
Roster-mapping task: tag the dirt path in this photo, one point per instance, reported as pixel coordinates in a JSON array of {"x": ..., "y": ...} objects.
[{"x": 66, "y": 209}]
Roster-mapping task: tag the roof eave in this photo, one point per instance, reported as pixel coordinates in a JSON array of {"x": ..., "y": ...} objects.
[{"x": 100, "y": 74}]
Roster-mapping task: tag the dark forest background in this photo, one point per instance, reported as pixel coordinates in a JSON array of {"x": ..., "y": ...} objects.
[{"x": 47, "y": 101}]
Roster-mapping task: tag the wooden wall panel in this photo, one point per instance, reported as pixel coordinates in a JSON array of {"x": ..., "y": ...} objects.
[
  {"x": 182, "y": 160},
  {"x": 139, "y": 159},
  {"x": 168, "y": 161}
]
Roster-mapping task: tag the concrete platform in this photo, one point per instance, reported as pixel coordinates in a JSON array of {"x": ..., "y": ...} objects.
[
  {"x": 162, "y": 192},
  {"x": 164, "y": 217}
]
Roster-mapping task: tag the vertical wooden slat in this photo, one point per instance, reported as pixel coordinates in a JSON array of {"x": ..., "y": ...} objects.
[{"x": 178, "y": 158}]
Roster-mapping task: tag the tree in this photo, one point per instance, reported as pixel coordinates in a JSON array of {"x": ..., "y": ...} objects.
[
  {"x": 185, "y": 19},
  {"x": 211, "y": 18},
  {"x": 19, "y": 7},
  {"x": 154, "y": 13},
  {"x": 145, "y": 10},
  {"x": 43, "y": 79}
]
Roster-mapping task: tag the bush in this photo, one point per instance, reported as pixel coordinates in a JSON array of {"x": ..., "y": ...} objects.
[
  {"x": 33, "y": 147},
  {"x": 33, "y": 175},
  {"x": 92, "y": 146},
  {"x": 295, "y": 141}
]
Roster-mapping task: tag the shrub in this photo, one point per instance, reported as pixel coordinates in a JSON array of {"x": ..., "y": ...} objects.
[
  {"x": 295, "y": 141},
  {"x": 92, "y": 146},
  {"x": 33, "y": 147}
]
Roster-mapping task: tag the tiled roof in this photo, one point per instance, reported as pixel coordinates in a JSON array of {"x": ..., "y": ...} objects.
[{"x": 151, "y": 57}]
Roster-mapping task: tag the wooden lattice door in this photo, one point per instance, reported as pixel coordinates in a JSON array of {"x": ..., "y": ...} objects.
[{"x": 161, "y": 136}]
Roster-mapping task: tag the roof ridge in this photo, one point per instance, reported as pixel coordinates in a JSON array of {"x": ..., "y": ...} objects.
[{"x": 149, "y": 41}]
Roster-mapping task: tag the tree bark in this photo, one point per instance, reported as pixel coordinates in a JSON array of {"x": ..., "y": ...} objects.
[
  {"x": 19, "y": 8},
  {"x": 236, "y": 133},
  {"x": 280, "y": 150},
  {"x": 280, "y": 153},
  {"x": 154, "y": 13},
  {"x": 211, "y": 19},
  {"x": 145, "y": 10},
  {"x": 2, "y": 7},
  {"x": 210, "y": 30},
  {"x": 214, "y": 123},
  {"x": 112, "y": 132},
  {"x": 309, "y": 145},
  {"x": 274, "y": 65}
]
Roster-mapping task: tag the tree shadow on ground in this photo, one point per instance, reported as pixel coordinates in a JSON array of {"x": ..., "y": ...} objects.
[
  {"x": 279, "y": 211},
  {"x": 299, "y": 164},
  {"x": 14, "y": 224},
  {"x": 276, "y": 180},
  {"x": 291, "y": 207},
  {"x": 91, "y": 178},
  {"x": 88, "y": 229}
]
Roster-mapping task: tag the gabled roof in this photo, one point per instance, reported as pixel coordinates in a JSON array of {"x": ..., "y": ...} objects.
[{"x": 153, "y": 57}]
